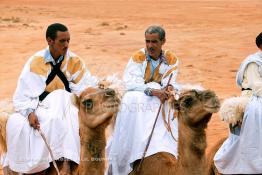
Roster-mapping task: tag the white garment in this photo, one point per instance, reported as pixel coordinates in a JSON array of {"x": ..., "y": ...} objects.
[
  {"x": 32, "y": 81},
  {"x": 58, "y": 117},
  {"x": 132, "y": 129},
  {"x": 138, "y": 112},
  {"x": 134, "y": 74},
  {"x": 26, "y": 151},
  {"x": 254, "y": 80},
  {"x": 250, "y": 73},
  {"x": 243, "y": 154}
]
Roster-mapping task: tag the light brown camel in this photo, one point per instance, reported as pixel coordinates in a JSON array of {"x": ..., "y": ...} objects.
[
  {"x": 96, "y": 109},
  {"x": 210, "y": 156},
  {"x": 195, "y": 109}
]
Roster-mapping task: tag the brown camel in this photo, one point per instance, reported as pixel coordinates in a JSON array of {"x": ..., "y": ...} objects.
[
  {"x": 195, "y": 109},
  {"x": 96, "y": 109},
  {"x": 210, "y": 156}
]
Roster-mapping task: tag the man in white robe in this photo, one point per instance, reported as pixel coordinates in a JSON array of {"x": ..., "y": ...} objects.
[
  {"x": 43, "y": 100},
  {"x": 146, "y": 76},
  {"x": 241, "y": 153}
]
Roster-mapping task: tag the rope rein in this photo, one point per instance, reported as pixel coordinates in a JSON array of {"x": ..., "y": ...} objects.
[
  {"x": 49, "y": 149},
  {"x": 152, "y": 131}
]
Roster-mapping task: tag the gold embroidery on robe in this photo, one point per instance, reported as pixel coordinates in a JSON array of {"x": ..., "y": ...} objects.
[
  {"x": 55, "y": 84},
  {"x": 147, "y": 72},
  {"x": 79, "y": 77},
  {"x": 38, "y": 66},
  {"x": 139, "y": 57},
  {"x": 171, "y": 58},
  {"x": 74, "y": 65},
  {"x": 156, "y": 76},
  {"x": 171, "y": 70}
]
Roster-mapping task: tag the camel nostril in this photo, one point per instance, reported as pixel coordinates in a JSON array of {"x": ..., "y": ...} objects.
[{"x": 110, "y": 92}]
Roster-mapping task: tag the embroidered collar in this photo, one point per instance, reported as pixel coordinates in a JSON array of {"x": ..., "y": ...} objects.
[
  {"x": 161, "y": 57},
  {"x": 48, "y": 57}
]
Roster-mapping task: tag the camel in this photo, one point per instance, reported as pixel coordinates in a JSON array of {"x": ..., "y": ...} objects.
[
  {"x": 195, "y": 109},
  {"x": 97, "y": 107},
  {"x": 210, "y": 156}
]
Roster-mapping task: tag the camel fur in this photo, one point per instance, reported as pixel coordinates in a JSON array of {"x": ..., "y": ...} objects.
[
  {"x": 195, "y": 109},
  {"x": 93, "y": 122},
  {"x": 232, "y": 109},
  {"x": 210, "y": 158},
  {"x": 6, "y": 108},
  {"x": 97, "y": 107}
]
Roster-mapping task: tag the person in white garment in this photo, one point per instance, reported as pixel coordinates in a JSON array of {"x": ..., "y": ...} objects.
[
  {"x": 42, "y": 100},
  {"x": 146, "y": 77},
  {"x": 241, "y": 153}
]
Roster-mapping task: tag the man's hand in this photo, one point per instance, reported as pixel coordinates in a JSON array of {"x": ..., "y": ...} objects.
[
  {"x": 162, "y": 94},
  {"x": 33, "y": 120},
  {"x": 169, "y": 88}
]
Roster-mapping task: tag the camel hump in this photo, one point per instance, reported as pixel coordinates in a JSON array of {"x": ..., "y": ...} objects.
[
  {"x": 139, "y": 56},
  {"x": 6, "y": 109}
]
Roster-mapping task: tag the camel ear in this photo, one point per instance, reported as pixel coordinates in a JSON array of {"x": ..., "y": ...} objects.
[
  {"x": 104, "y": 84},
  {"x": 75, "y": 100}
]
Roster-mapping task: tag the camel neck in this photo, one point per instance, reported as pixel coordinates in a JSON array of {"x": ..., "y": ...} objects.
[
  {"x": 93, "y": 144},
  {"x": 191, "y": 149}
]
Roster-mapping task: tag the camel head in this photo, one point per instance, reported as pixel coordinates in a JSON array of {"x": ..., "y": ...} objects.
[
  {"x": 97, "y": 106},
  {"x": 195, "y": 107}
]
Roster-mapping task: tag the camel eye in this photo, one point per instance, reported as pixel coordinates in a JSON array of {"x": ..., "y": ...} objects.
[
  {"x": 188, "y": 102},
  {"x": 208, "y": 95},
  {"x": 88, "y": 103}
]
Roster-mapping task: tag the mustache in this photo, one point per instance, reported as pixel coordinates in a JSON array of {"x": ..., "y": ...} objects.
[{"x": 151, "y": 49}]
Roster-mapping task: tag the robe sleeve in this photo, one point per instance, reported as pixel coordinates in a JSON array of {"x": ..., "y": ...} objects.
[
  {"x": 134, "y": 76},
  {"x": 30, "y": 85},
  {"x": 254, "y": 79}
]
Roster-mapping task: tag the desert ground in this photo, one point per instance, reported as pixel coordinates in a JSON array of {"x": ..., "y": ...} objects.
[{"x": 210, "y": 37}]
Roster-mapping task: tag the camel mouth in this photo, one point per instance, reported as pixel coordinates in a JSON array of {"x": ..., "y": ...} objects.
[
  {"x": 212, "y": 105},
  {"x": 112, "y": 105},
  {"x": 212, "y": 109}
]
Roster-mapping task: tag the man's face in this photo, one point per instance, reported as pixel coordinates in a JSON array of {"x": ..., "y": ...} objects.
[
  {"x": 154, "y": 44},
  {"x": 60, "y": 45}
]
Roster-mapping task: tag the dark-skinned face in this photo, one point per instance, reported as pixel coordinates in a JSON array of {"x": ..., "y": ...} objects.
[{"x": 59, "y": 46}]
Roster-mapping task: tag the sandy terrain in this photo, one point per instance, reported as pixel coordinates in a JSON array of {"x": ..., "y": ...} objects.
[{"x": 211, "y": 38}]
